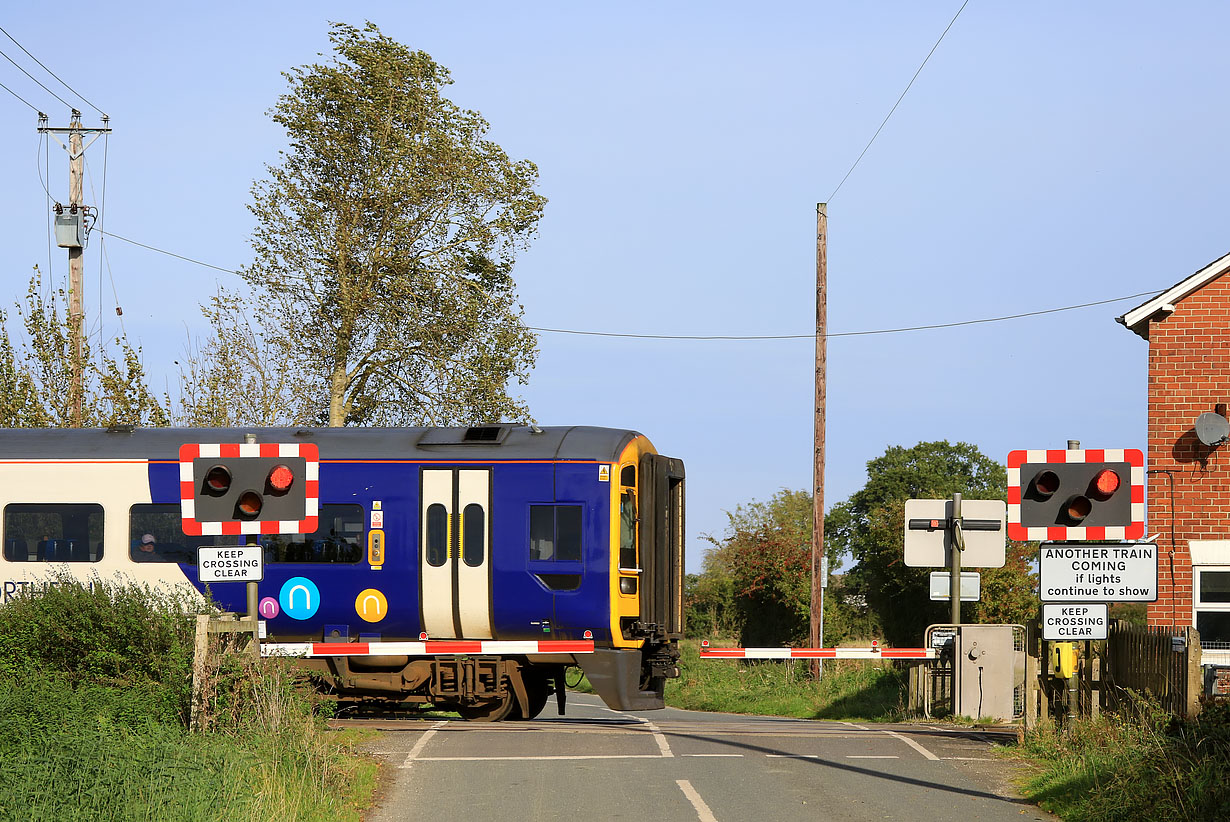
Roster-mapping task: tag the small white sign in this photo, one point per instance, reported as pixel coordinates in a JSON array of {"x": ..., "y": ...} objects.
[
  {"x": 941, "y": 586},
  {"x": 377, "y": 519},
  {"x": 1098, "y": 572},
  {"x": 230, "y": 563},
  {"x": 1071, "y": 622}
]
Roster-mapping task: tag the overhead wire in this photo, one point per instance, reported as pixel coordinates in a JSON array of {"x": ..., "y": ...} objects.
[
  {"x": 36, "y": 80},
  {"x": 52, "y": 73},
  {"x": 22, "y": 99},
  {"x": 730, "y": 337},
  {"x": 899, "y": 99}
]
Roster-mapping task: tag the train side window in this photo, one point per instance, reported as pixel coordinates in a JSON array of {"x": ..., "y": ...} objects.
[
  {"x": 555, "y": 533},
  {"x": 437, "y": 535},
  {"x": 474, "y": 532},
  {"x": 337, "y": 539},
  {"x": 156, "y": 534},
  {"x": 55, "y": 532}
]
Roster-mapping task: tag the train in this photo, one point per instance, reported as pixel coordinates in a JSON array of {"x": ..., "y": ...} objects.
[{"x": 465, "y": 568}]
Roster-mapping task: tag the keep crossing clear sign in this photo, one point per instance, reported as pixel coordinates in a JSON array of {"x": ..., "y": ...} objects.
[
  {"x": 1098, "y": 572},
  {"x": 230, "y": 563}
]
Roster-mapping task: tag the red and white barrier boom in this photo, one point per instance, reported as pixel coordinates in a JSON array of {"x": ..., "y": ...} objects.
[{"x": 874, "y": 652}]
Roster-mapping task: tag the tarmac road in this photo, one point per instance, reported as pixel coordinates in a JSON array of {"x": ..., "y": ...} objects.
[{"x": 596, "y": 764}]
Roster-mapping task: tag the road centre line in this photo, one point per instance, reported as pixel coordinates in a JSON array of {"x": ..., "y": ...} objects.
[
  {"x": 792, "y": 756},
  {"x": 869, "y": 756},
  {"x": 716, "y": 756},
  {"x": 912, "y": 744},
  {"x": 421, "y": 743},
  {"x": 702, "y": 810}
]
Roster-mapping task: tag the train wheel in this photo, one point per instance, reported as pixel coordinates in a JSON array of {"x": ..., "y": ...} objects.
[
  {"x": 538, "y": 690},
  {"x": 491, "y": 710}
]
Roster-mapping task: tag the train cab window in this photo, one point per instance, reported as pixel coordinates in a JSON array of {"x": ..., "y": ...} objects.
[
  {"x": 628, "y": 559},
  {"x": 473, "y": 534},
  {"x": 56, "y": 532},
  {"x": 555, "y": 533},
  {"x": 436, "y": 544}
]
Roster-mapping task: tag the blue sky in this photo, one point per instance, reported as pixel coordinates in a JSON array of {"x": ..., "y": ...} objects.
[{"x": 1049, "y": 154}]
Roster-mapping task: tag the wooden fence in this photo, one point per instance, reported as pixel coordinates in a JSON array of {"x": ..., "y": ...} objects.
[{"x": 1162, "y": 663}]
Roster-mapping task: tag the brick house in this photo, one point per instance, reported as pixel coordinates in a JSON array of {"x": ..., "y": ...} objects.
[{"x": 1188, "y": 499}]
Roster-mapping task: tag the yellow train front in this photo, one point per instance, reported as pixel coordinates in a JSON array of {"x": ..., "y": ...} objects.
[{"x": 462, "y": 567}]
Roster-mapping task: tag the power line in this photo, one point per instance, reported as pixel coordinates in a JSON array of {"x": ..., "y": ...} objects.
[
  {"x": 169, "y": 253},
  {"x": 848, "y": 333},
  {"x": 52, "y": 73},
  {"x": 22, "y": 99},
  {"x": 733, "y": 337},
  {"x": 35, "y": 79},
  {"x": 899, "y": 99}
]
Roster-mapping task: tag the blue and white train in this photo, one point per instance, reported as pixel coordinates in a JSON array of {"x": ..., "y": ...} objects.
[{"x": 467, "y": 568}]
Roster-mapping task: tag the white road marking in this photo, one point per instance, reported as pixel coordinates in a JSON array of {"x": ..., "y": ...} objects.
[
  {"x": 533, "y": 758},
  {"x": 855, "y": 725},
  {"x": 660, "y": 739},
  {"x": 968, "y": 758},
  {"x": 732, "y": 756},
  {"x": 792, "y": 756},
  {"x": 422, "y": 743},
  {"x": 702, "y": 810},
  {"x": 868, "y": 756},
  {"x": 912, "y": 744}
]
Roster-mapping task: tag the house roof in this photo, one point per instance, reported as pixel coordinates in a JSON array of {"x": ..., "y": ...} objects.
[{"x": 1138, "y": 318}]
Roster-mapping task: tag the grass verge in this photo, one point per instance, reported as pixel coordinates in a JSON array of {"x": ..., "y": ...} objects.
[
  {"x": 849, "y": 689},
  {"x": 94, "y": 689},
  {"x": 1120, "y": 767}
]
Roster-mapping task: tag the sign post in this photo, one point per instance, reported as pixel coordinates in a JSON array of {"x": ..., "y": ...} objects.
[{"x": 235, "y": 563}]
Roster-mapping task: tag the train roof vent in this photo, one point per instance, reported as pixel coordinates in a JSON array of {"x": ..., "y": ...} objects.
[{"x": 474, "y": 435}]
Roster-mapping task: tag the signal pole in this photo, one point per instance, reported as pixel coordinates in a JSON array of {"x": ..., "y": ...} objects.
[
  {"x": 70, "y": 234},
  {"x": 817, "y": 522}
]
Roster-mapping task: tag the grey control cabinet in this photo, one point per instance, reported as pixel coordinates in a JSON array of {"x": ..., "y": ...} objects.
[{"x": 990, "y": 670}]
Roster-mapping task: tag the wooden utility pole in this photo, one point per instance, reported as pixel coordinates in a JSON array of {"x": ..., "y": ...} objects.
[
  {"x": 817, "y": 520},
  {"x": 76, "y": 268},
  {"x": 73, "y": 238}
]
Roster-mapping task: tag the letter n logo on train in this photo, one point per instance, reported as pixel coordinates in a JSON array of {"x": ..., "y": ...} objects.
[{"x": 249, "y": 488}]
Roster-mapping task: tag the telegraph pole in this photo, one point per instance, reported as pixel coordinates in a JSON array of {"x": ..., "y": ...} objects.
[
  {"x": 70, "y": 234},
  {"x": 817, "y": 522}
]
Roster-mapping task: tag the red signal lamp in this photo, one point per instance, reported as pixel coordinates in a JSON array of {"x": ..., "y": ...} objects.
[
  {"x": 249, "y": 505},
  {"x": 281, "y": 478},
  {"x": 1077, "y": 508},
  {"x": 1046, "y": 483},
  {"x": 1104, "y": 484},
  {"x": 217, "y": 480}
]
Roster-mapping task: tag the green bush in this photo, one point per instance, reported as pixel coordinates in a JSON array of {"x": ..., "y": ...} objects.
[{"x": 127, "y": 635}]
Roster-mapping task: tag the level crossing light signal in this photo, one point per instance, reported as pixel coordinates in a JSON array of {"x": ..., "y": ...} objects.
[
  {"x": 1093, "y": 494},
  {"x": 249, "y": 488}
]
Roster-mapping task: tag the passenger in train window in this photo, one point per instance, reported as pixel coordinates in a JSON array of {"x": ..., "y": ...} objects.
[{"x": 147, "y": 550}]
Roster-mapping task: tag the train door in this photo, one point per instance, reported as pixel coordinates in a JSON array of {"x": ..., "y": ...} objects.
[{"x": 455, "y": 552}]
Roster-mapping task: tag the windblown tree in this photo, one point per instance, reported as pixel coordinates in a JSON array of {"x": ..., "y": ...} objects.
[
  {"x": 385, "y": 244},
  {"x": 36, "y": 372}
]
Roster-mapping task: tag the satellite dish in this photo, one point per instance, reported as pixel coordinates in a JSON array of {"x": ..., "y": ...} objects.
[{"x": 1212, "y": 429}]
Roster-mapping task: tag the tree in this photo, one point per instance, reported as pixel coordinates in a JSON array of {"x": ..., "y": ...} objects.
[
  {"x": 36, "y": 375},
  {"x": 869, "y": 527},
  {"x": 761, "y": 571},
  {"x": 385, "y": 244}
]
